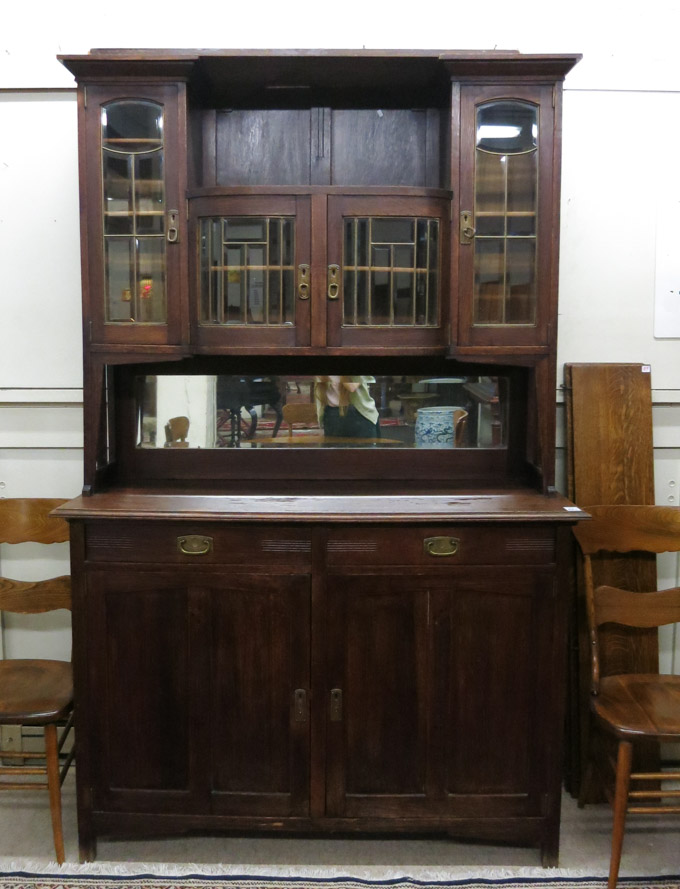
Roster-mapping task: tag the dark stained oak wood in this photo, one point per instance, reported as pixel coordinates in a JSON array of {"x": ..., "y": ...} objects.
[{"x": 308, "y": 663}]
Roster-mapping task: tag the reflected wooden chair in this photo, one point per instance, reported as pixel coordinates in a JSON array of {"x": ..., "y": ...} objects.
[
  {"x": 631, "y": 707},
  {"x": 301, "y": 412},
  {"x": 176, "y": 431},
  {"x": 36, "y": 692},
  {"x": 460, "y": 417}
]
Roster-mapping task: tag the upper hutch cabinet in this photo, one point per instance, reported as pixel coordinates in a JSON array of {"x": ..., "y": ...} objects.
[{"x": 254, "y": 202}]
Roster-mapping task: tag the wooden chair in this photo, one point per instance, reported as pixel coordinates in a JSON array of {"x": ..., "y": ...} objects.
[
  {"x": 36, "y": 692},
  {"x": 631, "y": 707},
  {"x": 299, "y": 412}
]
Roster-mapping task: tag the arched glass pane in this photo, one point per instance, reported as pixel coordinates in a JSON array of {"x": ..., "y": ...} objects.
[
  {"x": 507, "y": 127},
  {"x": 132, "y": 126}
]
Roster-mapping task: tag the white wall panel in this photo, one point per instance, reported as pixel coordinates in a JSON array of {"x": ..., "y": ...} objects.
[{"x": 40, "y": 333}]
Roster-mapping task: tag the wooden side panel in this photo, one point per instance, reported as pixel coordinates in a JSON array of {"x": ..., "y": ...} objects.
[{"x": 610, "y": 460}]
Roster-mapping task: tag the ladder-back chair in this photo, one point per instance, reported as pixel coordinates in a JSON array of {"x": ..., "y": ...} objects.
[
  {"x": 36, "y": 692},
  {"x": 631, "y": 707}
]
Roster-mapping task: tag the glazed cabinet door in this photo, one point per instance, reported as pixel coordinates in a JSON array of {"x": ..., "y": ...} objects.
[
  {"x": 134, "y": 224},
  {"x": 146, "y": 659},
  {"x": 252, "y": 272},
  {"x": 259, "y": 687},
  {"x": 387, "y": 272},
  {"x": 509, "y": 192}
]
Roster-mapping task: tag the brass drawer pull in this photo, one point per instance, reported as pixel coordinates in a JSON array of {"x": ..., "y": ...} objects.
[
  {"x": 441, "y": 546},
  {"x": 194, "y": 545}
]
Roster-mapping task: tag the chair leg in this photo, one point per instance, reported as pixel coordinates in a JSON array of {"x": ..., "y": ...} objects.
[
  {"x": 54, "y": 787},
  {"x": 623, "y": 765}
]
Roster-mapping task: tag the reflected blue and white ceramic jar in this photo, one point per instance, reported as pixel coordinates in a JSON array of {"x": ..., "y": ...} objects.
[{"x": 436, "y": 426}]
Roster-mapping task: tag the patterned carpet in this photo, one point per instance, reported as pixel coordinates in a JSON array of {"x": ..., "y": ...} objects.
[{"x": 56, "y": 880}]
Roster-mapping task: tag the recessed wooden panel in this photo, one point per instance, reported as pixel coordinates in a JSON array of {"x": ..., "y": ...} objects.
[
  {"x": 263, "y": 147},
  {"x": 385, "y": 147}
]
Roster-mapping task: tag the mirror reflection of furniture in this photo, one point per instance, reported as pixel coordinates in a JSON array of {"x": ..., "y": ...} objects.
[
  {"x": 302, "y": 413},
  {"x": 176, "y": 431},
  {"x": 631, "y": 707},
  {"x": 234, "y": 394},
  {"x": 36, "y": 692}
]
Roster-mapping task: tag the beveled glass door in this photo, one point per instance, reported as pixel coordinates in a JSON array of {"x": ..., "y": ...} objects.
[
  {"x": 135, "y": 226},
  {"x": 387, "y": 270},
  {"x": 252, "y": 271},
  {"x": 505, "y": 226}
]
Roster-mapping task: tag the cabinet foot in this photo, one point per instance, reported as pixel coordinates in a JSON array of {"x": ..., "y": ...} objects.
[{"x": 87, "y": 850}]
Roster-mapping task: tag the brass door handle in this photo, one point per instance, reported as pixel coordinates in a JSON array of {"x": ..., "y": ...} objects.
[
  {"x": 303, "y": 281},
  {"x": 333, "y": 282},
  {"x": 194, "y": 545},
  {"x": 173, "y": 230},
  {"x": 336, "y": 705},
  {"x": 441, "y": 546},
  {"x": 467, "y": 229}
]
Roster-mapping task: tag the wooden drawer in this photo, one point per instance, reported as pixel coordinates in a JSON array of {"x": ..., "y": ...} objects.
[
  {"x": 441, "y": 546},
  {"x": 205, "y": 543}
]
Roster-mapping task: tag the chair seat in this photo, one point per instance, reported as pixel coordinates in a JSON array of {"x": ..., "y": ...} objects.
[
  {"x": 639, "y": 705},
  {"x": 34, "y": 692}
]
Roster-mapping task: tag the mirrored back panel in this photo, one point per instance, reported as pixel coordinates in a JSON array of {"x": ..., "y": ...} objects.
[
  {"x": 284, "y": 412},
  {"x": 245, "y": 420}
]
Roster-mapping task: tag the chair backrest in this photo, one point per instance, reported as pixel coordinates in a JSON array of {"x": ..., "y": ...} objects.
[
  {"x": 299, "y": 412},
  {"x": 28, "y": 520},
  {"x": 624, "y": 529}
]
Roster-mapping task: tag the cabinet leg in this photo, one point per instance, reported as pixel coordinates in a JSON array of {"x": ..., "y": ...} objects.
[{"x": 87, "y": 849}]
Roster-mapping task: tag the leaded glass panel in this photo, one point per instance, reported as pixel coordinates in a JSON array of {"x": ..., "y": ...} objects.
[
  {"x": 134, "y": 212},
  {"x": 247, "y": 272},
  {"x": 505, "y": 213},
  {"x": 390, "y": 271}
]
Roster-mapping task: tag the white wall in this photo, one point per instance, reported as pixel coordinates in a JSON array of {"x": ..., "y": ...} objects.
[{"x": 621, "y": 129}]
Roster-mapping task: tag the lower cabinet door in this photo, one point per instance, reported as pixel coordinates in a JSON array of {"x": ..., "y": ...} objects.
[
  {"x": 497, "y": 680},
  {"x": 377, "y": 695},
  {"x": 143, "y": 691},
  {"x": 439, "y": 693},
  {"x": 198, "y": 689},
  {"x": 259, "y": 681}
]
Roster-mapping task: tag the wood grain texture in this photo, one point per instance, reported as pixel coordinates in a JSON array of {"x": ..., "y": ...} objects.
[
  {"x": 609, "y": 462},
  {"x": 28, "y": 519}
]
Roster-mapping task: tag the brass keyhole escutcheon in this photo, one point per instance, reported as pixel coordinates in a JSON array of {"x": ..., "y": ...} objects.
[
  {"x": 467, "y": 227},
  {"x": 303, "y": 281},
  {"x": 333, "y": 281}
]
